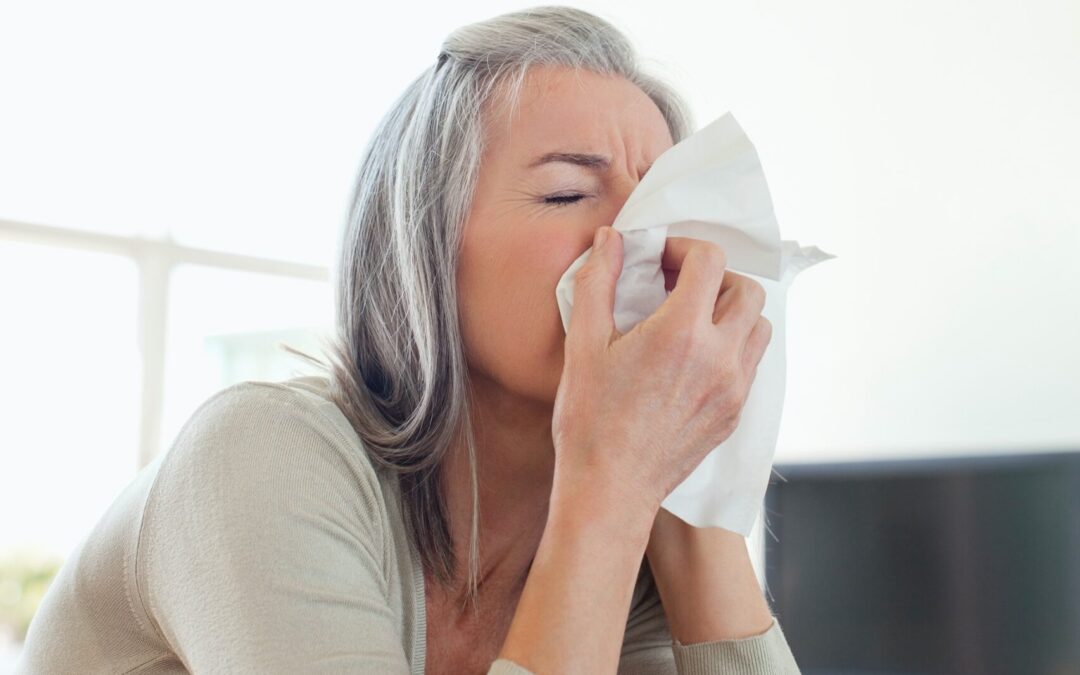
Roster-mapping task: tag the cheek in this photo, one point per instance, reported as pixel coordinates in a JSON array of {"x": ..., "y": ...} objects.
[
  {"x": 509, "y": 313},
  {"x": 529, "y": 272}
]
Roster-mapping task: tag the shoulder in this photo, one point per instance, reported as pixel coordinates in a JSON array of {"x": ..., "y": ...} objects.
[
  {"x": 256, "y": 451},
  {"x": 277, "y": 425},
  {"x": 298, "y": 402}
]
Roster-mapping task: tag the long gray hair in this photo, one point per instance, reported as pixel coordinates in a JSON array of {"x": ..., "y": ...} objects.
[{"x": 399, "y": 371}]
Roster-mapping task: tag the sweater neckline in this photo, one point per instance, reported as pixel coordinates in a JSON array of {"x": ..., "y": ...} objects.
[
  {"x": 419, "y": 641},
  {"x": 420, "y": 611}
]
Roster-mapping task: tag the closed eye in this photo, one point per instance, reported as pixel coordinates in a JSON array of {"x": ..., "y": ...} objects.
[{"x": 563, "y": 200}]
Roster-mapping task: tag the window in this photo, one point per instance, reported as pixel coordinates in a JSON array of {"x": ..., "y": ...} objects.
[{"x": 108, "y": 343}]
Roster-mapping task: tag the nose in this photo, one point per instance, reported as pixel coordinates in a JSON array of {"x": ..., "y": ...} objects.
[
  {"x": 618, "y": 194},
  {"x": 618, "y": 191}
]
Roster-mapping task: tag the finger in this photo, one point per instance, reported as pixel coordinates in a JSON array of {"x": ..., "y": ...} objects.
[
  {"x": 755, "y": 346},
  {"x": 700, "y": 265},
  {"x": 739, "y": 307},
  {"x": 592, "y": 315},
  {"x": 672, "y": 258},
  {"x": 731, "y": 280}
]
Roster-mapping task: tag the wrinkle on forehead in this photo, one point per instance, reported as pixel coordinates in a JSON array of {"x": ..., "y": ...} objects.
[{"x": 541, "y": 98}]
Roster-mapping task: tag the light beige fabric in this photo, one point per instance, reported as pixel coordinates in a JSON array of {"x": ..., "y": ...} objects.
[{"x": 265, "y": 541}]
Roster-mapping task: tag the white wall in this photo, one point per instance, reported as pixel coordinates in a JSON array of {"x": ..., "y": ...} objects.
[{"x": 932, "y": 146}]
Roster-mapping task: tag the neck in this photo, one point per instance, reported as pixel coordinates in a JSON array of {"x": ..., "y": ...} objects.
[{"x": 515, "y": 459}]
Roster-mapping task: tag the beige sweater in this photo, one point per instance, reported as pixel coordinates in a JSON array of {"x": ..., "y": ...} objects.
[{"x": 266, "y": 541}]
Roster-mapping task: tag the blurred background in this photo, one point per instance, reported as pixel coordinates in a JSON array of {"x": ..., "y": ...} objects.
[{"x": 173, "y": 177}]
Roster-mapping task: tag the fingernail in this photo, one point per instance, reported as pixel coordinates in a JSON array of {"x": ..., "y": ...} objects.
[{"x": 600, "y": 237}]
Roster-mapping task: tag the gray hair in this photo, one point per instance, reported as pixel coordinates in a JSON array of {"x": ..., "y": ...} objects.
[{"x": 399, "y": 371}]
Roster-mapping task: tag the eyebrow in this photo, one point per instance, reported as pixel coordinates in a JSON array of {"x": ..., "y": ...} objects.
[{"x": 594, "y": 162}]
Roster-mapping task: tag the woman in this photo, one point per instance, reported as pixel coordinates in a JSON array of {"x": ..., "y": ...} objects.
[{"x": 469, "y": 489}]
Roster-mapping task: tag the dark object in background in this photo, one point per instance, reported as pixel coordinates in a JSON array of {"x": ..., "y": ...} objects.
[{"x": 964, "y": 565}]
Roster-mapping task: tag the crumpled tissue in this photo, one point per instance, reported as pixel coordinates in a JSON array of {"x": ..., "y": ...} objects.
[{"x": 711, "y": 186}]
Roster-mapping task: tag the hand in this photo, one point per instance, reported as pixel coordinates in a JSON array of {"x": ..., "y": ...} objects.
[{"x": 636, "y": 413}]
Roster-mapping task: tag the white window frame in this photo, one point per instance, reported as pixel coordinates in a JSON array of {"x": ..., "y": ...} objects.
[{"x": 155, "y": 258}]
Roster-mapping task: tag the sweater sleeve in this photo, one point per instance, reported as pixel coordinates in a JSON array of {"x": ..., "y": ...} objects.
[
  {"x": 507, "y": 667},
  {"x": 649, "y": 648},
  {"x": 767, "y": 653},
  {"x": 262, "y": 545}
]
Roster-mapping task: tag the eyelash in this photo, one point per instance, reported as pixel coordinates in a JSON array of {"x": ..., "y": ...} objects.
[{"x": 563, "y": 200}]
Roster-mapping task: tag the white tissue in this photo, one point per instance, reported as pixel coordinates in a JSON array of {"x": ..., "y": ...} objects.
[{"x": 711, "y": 186}]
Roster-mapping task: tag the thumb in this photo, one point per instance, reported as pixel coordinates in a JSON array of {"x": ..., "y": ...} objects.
[{"x": 592, "y": 317}]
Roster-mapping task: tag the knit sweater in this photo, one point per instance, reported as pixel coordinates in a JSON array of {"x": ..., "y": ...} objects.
[{"x": 266, "y": 540}]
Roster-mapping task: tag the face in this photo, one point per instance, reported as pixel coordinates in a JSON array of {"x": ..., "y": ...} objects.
[{"x": 553, "y": 172}]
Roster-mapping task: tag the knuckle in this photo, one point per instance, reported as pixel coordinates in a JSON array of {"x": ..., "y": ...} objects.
[
  {"x": 758, "y": 292},
  {"x": 733, "y": 421},
  {"x": 728, "y": 413},
  {"x": 766, "y": 328},
  {"x": 726, "y": 392},
  {"x": 752, "y": 292},
  {"x": 727, "y": 375},
  {"x": 691, "y": 347},
  {"x": 712, "y": 254},
  {"x": 683, "y": 342}
]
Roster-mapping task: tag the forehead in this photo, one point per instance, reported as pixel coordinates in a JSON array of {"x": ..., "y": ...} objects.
[{"x": 571, "y": 110}]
